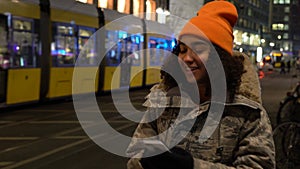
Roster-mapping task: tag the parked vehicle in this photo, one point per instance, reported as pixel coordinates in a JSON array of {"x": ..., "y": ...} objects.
[
  {"x": 266, "y": 63},
  {"x": 287, "y": 132}
]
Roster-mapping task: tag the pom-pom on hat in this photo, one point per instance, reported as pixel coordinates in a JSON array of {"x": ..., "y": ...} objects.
[{"x": 215, "y": 20}]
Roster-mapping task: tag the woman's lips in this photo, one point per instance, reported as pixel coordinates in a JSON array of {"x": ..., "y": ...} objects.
[{"x": 192, "y": 68}]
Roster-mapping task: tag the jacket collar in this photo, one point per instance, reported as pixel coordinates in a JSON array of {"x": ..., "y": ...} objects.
[{"x": 249, "y": 92}]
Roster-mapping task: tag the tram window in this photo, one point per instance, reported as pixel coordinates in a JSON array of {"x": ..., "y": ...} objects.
[
  {"x": 87, "y": 47},
  {"x": 85, "y": 33},
  {"x": 277, "y": 59},
  {"x": 160, "y": 49},
  {"x": 277, "y": 56},
  {"x": 113, "y": 54},
  {"x": 65, "y": 30},
  {"x": 122, "y": 51},
  {"x": 64, "y": 48},
  {"x": 4, "y": 59},
  {"x": 135, "y": 55},
  {"x": 24, "y": 43},
  {"x": 153, "y": 56},
  {"x": 22, "y": 25},
  {"x": 134, "y": 46}
]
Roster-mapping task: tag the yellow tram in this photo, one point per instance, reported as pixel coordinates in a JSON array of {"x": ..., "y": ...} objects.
[{"x": 50, "y": 50}]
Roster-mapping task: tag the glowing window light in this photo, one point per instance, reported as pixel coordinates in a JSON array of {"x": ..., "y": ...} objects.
[
  {"x": 148, "y": 10},
  {"x": 121, "y": 6},
  {"x": 259, "y": 53},
  {"x": 85, "y": 1},
  {"x": 82, "y": 1},
  {"x": 22, "y": 61},
  {"x": 245, "y": 38},
  {"x": 166, "y": 12},
  {"x": 102, "y": 3},
  {"x": 136, "y": 7},
  {"x": 159, "y": 10}
]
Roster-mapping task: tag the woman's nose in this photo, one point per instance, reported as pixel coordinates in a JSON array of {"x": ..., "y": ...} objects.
[{"x": 188, "y": 57}]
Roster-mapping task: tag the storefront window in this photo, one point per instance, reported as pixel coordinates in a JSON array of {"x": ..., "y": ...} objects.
[{"x": 238, "y": 37}]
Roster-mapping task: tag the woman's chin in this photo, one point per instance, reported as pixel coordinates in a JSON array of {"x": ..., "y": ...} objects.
[{"x": 191, "y": 79}]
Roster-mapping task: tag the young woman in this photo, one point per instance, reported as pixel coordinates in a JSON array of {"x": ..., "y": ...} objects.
[{"x": 186, "y": 112}]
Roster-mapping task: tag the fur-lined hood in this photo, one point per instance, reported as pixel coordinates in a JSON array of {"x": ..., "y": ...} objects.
[{"x": 249, "y": 91}]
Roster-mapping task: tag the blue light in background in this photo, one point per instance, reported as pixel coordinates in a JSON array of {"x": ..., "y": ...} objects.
[
  {"x": 165, "y": 45},
  {"x": 173, "y": 43},
  {"x": 122, "y": 35},
  {"x": 61, "y": 52}
]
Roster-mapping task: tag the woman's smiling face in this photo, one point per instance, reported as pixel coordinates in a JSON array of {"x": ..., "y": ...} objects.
[{"x": 193, "y": 53}]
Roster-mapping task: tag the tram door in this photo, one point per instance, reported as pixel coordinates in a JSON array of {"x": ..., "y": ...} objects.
[
  {"x": 125, "y": 66},
  {"x": 4, "y": 60}
]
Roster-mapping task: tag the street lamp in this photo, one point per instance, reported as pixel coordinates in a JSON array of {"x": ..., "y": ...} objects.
[
  {"x": 162, "y": 14},
  {"x": 159, "y": 10},
  {"x": 271, "y": 44},
  {"x": 279, "y": 37}
]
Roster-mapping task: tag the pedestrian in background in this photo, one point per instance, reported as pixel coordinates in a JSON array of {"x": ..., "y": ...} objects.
[
  {"x": 243, "y": 136},
  {"x": 288, "y": 65},
  {"x": 282, "y": 67}
]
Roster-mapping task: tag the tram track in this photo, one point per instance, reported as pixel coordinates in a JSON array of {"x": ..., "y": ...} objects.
[{"x": 80, "y": 140}]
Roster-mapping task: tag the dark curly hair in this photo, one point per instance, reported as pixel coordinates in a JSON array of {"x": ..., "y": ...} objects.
[{"x": 233, "y": 68}]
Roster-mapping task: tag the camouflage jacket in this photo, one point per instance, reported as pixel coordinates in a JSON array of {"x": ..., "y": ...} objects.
[{"x": 241, "y": 138}]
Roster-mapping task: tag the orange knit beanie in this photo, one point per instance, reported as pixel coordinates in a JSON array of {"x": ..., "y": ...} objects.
[{"x": 215, "y": 20}]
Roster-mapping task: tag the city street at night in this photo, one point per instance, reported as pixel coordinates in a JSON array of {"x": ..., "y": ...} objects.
[{"x": 49, "y": 136}]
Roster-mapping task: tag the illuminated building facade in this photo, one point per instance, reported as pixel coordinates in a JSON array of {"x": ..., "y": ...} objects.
[
  {"x": 155, "y": 10},
  {"x": 285, "y": 26},
  {"x": 251, "y": 32}
]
